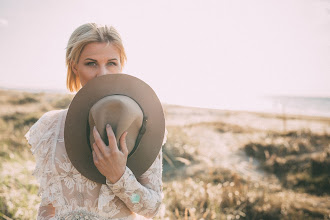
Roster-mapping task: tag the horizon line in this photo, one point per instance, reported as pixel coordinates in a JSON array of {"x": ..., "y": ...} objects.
[{"x": 54, "y": 90}]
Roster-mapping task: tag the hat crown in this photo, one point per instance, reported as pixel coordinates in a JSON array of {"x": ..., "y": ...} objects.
[{"x": 122, "y": 113}]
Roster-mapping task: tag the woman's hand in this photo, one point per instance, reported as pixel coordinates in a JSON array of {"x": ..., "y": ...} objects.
[{"x": 109, "y": 160}]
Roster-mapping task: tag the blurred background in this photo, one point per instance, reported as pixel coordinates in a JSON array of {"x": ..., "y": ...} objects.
[{"x": 244, "y": 86}]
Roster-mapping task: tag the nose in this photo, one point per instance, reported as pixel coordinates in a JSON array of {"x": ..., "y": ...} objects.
[{"x": 102, "y": 71}]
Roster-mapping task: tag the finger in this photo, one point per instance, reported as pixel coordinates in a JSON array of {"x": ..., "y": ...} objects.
[
  {"x": 123, "y": 145},
  {"x": 98, "y": 140},
  {"x": 95, "y": 159},
  {"x": 112, "y": 138},
  {"x": 97, "y": 151}
]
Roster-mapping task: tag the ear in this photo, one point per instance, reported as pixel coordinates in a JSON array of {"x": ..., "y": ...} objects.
[{"x": 74, "y": 68}]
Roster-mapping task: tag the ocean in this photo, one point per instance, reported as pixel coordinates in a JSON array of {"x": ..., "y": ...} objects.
[
  {"x": 297, "y": 105},
  {"x": 316, "y": 106}
]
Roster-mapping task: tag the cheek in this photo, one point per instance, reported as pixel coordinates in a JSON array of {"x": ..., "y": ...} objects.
[
  {"x": 85, "y": 75},
  {"x": 119, "y": 68}
]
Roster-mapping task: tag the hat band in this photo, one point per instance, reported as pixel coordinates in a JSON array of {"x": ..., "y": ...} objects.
[{"x": 139, "y": 137}]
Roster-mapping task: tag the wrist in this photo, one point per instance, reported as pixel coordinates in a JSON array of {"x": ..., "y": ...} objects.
[{"x": 115, "y": 178}]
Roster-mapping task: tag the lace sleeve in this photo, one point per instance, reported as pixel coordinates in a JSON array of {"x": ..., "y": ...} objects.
[
  {"x": 141, "y": 195},
  {"x": 42, "y": 139},
  {"x": 46, "y": 212},
  {"x": 165, "y": 137}
]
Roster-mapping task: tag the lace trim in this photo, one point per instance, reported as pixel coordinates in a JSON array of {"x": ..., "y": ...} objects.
[
  {"x": 41, "y": 136},
  {"x": 85, "y": 215},
  {"x": 165, "y": 137},
  {"x": 57, "y": 131},
  {"x": 60, "y": 139}
]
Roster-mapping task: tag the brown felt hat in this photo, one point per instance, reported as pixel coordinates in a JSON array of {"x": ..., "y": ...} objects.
[{"x": 127, "y": 104}]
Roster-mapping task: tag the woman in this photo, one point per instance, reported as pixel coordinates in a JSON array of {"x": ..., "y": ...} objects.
[{"x": 92, "y": 51}]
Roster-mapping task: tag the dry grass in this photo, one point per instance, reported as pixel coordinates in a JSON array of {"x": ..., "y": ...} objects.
[
  {"x": 200, "y": 191},
  {"x": 195, "y": 185},
  {"x": 301, "y": 159}
]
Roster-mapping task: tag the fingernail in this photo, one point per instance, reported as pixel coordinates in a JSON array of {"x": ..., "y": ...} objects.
[
  {"x": 108, "y": 125},
  {"x": 94, "y": 128}
]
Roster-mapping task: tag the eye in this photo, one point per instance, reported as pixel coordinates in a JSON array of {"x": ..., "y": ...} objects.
[
  {"x": 90, "y": 64},
  {"x": 112, "y": 64}
]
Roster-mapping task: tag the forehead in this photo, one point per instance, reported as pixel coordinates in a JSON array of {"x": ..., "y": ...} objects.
[{"x": 97, "y": 50}]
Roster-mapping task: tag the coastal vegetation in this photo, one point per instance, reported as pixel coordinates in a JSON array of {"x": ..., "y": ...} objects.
[{"x": 216, "y": 164}]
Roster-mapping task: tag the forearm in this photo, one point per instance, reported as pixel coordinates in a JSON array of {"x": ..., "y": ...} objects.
[
  {"x": 141, "y": 195},
  {"x": 138, "y": 198}
]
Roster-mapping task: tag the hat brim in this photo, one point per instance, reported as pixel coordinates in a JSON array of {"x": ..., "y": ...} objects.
[{"x": 76, "y": 130}]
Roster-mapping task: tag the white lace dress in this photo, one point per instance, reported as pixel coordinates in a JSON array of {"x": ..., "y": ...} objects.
[{"x": 66, "y": 194}]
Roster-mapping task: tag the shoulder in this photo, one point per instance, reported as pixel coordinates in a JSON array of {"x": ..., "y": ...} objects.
[
  {"x": 44, "y": 127},
  {"x": 50, "y": 116},
  {"x": 47, "y": 119}
]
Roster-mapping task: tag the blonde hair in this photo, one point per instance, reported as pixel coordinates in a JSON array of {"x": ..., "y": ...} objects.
[{"x": 83, "y": 35}]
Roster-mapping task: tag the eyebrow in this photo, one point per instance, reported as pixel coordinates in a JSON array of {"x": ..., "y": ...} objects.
[{"x": 96, "y": 60}]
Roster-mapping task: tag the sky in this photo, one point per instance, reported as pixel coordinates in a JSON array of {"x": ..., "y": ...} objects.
[{"x": 191, "y": 52}]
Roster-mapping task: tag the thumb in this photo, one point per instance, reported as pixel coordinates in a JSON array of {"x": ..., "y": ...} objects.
[{"x": 123, "y": 146}]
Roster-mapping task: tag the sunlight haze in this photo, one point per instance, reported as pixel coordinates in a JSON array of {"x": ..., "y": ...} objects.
[{"x": 194, "y": 53}]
